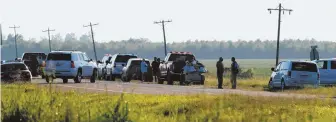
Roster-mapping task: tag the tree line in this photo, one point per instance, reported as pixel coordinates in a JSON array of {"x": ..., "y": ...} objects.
[{"x": 203, "y": 49}]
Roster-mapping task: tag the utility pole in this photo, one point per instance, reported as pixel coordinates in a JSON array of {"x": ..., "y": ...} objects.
[
  {"x": 15, "y": 39},
  {"x": 49, "y": 37},
  {"x": 279, "y": 9},
  {"x": 94, "y": 46},
  {"x": 162, "y": 22},
  {"x": 1, "y": 34}
]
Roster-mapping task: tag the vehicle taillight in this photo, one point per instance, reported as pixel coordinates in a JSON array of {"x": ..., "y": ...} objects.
[
  {"x": 72, "y": 64},
  {"x": 289, "y": 74}
]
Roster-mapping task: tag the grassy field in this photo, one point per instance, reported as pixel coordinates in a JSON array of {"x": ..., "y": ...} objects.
[
  {"x": 47, "y": 104},
  {"x": 262, "y": 73}
]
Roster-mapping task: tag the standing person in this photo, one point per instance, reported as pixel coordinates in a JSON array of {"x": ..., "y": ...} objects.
[
  {"x": 220, "y": 72},
  {"x": 234, "y": 72},
  {"x": 143, "y": 68},
  {"x": 155, "y": 68}
]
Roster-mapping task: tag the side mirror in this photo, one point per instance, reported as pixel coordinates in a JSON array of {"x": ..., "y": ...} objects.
[{"x": 272, "y": 69}]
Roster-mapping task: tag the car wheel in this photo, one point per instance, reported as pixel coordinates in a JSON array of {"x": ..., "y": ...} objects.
[
  {"x": 202, "y": 79},
  {"x": 169, "y": 78},
  {"x": 78, "y": 77},
  {"x": 65, "y": 80},
  {"x": 48, "y": 79},
  {"x": 182, "y": 79},
  {"x": 94, "y": 76}
]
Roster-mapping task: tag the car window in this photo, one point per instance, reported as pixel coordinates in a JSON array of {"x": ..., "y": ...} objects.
[
  {"x": 138, "y": 62},
  {"x": 13, "y": 67},
  {"x": 31, "y": 56},
  {"x": 278, "y": 67},
  {"x": 284, "y": 66},
  {"x": 75, "y": 57},
  {"x": 322, "y": 64},
  {"x": 59, "y": 56},
  {"x": 180, "y": 57},
  {"x": 85, "y": 57},
  {"x": 124, "y": 58},
  {"x": 304, "y": 66},
  {"x": 333, "y": 64}
]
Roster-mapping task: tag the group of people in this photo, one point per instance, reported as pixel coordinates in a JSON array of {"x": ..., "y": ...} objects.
[
  {"x": 155, "y": 68},
  {"x": 234, "y": 72}
]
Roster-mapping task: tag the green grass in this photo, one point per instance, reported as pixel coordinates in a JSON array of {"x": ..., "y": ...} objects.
[{"x": 46, "y": 104}]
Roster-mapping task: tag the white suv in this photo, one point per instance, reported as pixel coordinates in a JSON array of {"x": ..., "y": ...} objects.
[{"x": 70, "y": 65}]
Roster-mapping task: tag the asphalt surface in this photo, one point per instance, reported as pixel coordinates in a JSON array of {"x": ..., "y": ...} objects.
[{"x": 157, "y": 89}]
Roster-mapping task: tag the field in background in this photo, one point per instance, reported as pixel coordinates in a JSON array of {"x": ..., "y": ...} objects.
[{"x": 46, "y": 103}]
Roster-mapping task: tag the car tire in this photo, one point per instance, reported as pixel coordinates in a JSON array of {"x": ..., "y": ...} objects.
[
  {"x": 78, "y": 77},
  {"x": 48, "y": 80},
  {"x": 65, "y": 80},
  {"x": 182, "y": 79},
  {"x": 202, "y": 80},
  {"x": 93, "y": 76},
  {"x": 169, "y": 78}
]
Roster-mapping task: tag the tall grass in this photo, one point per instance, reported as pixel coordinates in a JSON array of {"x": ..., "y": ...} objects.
[{"x": 47, "y": 104}]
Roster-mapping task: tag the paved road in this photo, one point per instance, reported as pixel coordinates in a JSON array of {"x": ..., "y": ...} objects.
[{"x": 150, "y": 88}]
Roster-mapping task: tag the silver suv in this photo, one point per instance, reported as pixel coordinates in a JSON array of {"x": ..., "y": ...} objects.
[{"x": 70, "y": 65}]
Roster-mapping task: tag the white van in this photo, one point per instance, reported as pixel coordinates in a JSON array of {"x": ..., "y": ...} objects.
[{"x": 327, "y": 69}]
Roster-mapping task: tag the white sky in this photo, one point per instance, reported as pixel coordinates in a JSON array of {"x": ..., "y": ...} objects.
[{"x": 192, "y": 19}]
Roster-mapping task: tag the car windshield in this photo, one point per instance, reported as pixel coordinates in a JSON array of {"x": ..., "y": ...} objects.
[
  {"x": 180, "y": 57},
  {"x": 304, "y": 66},
  {"x": 137, "y": 63},
  {"x": 33, "y": 56},
  {"x": 124, "y": 58},
  {"x": 55, "y": 56},
  {"x": 12, "y": 67}
]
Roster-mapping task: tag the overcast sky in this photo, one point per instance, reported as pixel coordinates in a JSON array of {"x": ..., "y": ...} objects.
[{"x": 192, "y": 19}]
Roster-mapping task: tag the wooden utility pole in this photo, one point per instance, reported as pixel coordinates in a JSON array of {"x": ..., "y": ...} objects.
[
  {"x": 279, "y": 9},
  {"x": 49, "y": 37},
  {"x": 162, "y": 22},
  {"x": 94, "y": 46},
  {"x": 14, "y": 27}
]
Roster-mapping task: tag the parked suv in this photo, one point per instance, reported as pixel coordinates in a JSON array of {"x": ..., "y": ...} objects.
[
  {"x": 35, "y": 62},
  {"x": 132, "y": 71},
  {"x": 116, "y": 64},
  {"x": 70, "y": 65},
  {"x": 294, "y": 74},
  {"x": 327, "y": 68}
]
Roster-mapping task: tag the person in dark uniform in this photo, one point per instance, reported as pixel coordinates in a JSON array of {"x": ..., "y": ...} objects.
[
  {"x": 220, "y": 72},
  {"x": 234, "y": 72},
  {"x": 155, "y": 68}
]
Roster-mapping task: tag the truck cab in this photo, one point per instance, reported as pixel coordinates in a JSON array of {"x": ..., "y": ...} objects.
[{"x": 172, "y": 67}]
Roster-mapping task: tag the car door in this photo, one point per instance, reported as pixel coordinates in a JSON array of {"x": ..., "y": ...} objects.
[
  {"x": 332, "y": 72},
  {"x": 324, "y": 72},
  {"x": 87, "y": 67},
  {"x": 277, "y": 75}
]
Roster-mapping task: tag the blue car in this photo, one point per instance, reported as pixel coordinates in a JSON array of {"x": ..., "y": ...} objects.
[
  {"x": 327, "y": 68},
  {"x": 294, "y": 74}
]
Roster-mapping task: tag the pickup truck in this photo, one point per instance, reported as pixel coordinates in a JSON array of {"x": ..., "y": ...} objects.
[
  {"x": 172, "y": 68},
  {"x": 327, "y": 68}
]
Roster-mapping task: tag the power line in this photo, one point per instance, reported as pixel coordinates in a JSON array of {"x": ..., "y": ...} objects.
[
  {"x": 283, "y": 10},
  {"x": 94, "y": 46},
  {"x": 162, "y": 22},
  {"x": 14, "y": 27},
  {"x": 49, "y": 37}
]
